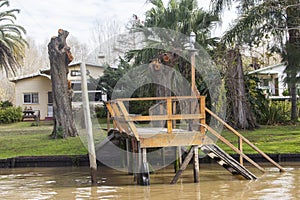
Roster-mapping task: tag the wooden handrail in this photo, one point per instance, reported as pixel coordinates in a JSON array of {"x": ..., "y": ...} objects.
[
  {"x": 245, "y": 140},
  {"x": 158, "y": 98},
  {"x": 166, "y": 117},
  {"x": 234, "y": 148}
]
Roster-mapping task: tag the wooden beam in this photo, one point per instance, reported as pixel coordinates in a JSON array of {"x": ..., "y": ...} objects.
[
  {"x": 196, "y": 164},
  {"x": 169, "y": 113},
  {"x": 126, "y": 116},
  {"x": 240, "y": 146},
  {"x": 88, "y": 125},
  {"x": 174, "y": 139},
  {"x": 119, "y": 119},
  {"x": 183, "y": 166},
  {"x": 202, "y": 112},
  {"x": 166, "y": 117},
  {"x": 158, "y": 98}
]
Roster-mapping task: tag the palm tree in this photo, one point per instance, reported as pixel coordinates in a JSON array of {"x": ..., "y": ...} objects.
[
  {"x": 179, "y": 16},
  {"x": 183, "y": 16},
  {"x": 12, "y": 43},
  {"x": 278, "y": 19}
]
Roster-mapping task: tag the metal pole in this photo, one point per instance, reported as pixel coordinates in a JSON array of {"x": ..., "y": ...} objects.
[{"x": 88, "y": 124}]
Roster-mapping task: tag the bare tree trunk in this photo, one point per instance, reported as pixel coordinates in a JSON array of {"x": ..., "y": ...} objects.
[
  {"x": 60, "y": 56},
  {"x": 240, "y": 114}
]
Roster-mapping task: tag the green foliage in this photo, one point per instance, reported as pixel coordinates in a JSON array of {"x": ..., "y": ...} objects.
[
  {"x": 11, "y": 39},
  {"x": 10, "y": 115},
  {"x": 266, "y": 112},
  {"x": 183, "y": 16},
  {"x": 110, "y": 78},
  {"x": 5, "y": 104},
  {"x": 258, "y": 102},
  {"x": 60, "y": 132},
  {"x": 261, "y": 21},
  {"x": 277, "y": 112},
  {"x": 101, "y": 111}
]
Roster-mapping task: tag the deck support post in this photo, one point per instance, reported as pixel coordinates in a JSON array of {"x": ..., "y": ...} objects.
[
  {"x": 196, "y": 164},
  {"x": 178, "y": 157},
  {"x": 143, "y": 175},
  {"x": 128, "y": 157},
  {"x": 183, "y": 166},
  {"x": 134, "y": 158},
  {"x": 163, "y": 159}
]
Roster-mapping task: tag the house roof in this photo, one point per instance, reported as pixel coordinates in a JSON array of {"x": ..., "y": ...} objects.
[
  {"x": 269, "y": 69},
  {"x": 17, "y": 78},
  {"x": 46, "y": 71},
  {"x": 87, "y": 63}
]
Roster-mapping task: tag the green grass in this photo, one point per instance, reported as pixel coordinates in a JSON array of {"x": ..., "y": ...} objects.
[
  {"x": 22, "y": 139},
  {"x": 270, "y": 139}
]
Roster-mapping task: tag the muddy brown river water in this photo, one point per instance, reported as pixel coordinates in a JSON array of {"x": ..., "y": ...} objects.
[{"x": 215, "y": 183}]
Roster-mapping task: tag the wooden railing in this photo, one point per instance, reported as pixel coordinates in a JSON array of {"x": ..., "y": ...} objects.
[
  {"x": 122, "y": 117},
  {"x": 241, "y": 140}
]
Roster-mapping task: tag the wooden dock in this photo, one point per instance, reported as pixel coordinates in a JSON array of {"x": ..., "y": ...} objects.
[{"x": 171, "y": 111}]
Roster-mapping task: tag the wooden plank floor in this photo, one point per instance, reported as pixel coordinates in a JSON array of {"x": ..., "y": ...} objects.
[{"x": 159, "y": 137}]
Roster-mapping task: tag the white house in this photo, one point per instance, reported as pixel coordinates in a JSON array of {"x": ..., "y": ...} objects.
[
  {"x": 34, "y": 91},
  {"x": 272, "y": 80}
]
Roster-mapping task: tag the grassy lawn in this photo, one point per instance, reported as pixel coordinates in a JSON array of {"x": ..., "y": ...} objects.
[
  {"x": 270, "y": 139},
  {"x": 22, "y": 139}
]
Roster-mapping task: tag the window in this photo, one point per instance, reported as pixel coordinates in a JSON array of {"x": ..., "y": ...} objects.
[
  {"x": 265, "y": 82},
  {"x": 75, "y": 73},
  {"x": 50, "y": 98},
  {"x": 31, "y": 97}
]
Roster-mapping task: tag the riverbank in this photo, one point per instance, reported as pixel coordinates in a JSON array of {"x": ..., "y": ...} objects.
[{"x": 83, "y": 160}]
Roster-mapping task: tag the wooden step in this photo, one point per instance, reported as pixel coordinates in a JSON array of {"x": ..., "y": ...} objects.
[{"x": 226, "y": 161}]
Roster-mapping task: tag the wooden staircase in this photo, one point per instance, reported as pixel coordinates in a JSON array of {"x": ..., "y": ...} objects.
[{"x": 226, "y": 161}]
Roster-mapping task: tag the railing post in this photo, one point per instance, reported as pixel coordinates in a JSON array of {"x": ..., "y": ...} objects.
[
  {"x": 202, "y": 111},
  {"x": 174, "y": 113},
  {"x": 169, "y": 113},
  {"x": 240, "y": 146}
]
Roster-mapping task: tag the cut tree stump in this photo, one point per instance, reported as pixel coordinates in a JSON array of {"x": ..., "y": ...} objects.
[{"x": 60, "y": 56}]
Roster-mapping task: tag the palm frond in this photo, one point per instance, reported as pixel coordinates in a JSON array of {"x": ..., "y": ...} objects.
[
  {"x": 253, "y": 24},
  {"x": 12, "y": 43}
]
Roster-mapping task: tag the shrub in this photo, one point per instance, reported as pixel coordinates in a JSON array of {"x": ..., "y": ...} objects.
[
  {"x": 5, "y": 104},
  {"x": 10, "y": 115},
  {"x": 277, "y": 112},
  {"x": 101, "y": 111}
]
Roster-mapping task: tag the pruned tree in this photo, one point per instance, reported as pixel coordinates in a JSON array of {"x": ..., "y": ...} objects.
[
  {"x": 60, "y": 56},
  {"x": 240, "y": 114}
]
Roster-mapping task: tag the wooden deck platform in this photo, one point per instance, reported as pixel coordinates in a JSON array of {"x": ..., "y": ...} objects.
[{"x": 159, "y": 137}]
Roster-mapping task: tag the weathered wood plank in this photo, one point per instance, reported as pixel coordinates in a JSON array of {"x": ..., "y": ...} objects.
[
  {"x": 183, "y": 166},
  {"x": 175, "y": 139}
]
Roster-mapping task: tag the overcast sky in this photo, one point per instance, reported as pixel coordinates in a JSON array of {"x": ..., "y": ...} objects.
[{"x": 42, "y": 18}]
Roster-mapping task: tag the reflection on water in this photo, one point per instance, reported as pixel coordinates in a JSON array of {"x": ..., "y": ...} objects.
[{"x": 215, "y": 183}]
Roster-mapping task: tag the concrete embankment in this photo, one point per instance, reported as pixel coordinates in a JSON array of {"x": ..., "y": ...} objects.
[{"x": 83, "y": 160}]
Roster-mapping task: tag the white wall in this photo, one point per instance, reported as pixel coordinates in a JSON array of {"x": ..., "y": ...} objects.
[{"x": 39, "y": 84}]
